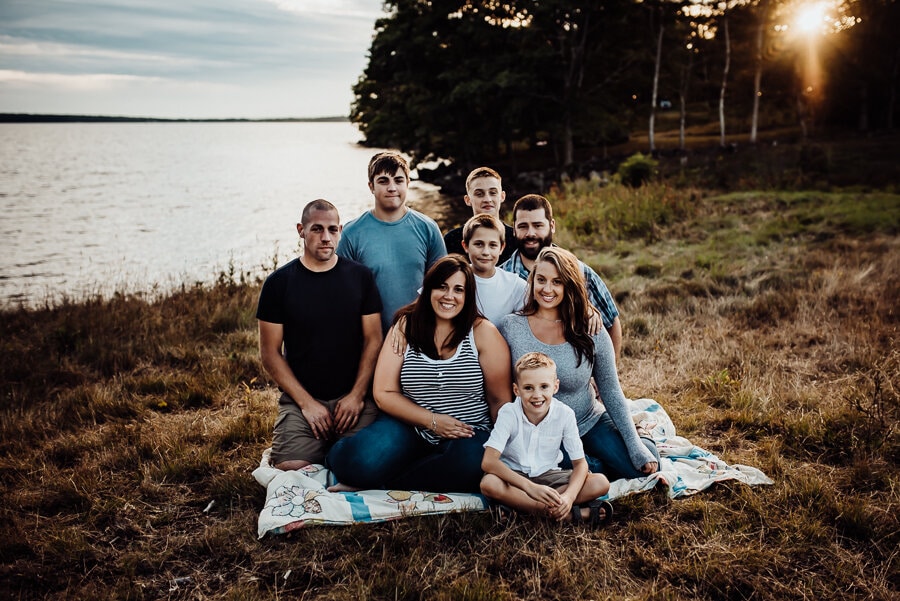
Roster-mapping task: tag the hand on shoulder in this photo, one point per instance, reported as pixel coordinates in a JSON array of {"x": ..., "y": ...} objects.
[{"x": 396, "y": 337}]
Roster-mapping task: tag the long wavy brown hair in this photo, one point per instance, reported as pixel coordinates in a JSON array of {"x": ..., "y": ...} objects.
[
  {"x": 575, "y": 306},
  {"x": 420, "y": 318}
]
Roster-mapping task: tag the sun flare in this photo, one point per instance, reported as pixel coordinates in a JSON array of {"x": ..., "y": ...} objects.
[{"x": 811, "y": 17}]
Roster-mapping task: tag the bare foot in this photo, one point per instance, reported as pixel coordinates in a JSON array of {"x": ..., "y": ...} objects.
[{"x": 341, "y": 488}]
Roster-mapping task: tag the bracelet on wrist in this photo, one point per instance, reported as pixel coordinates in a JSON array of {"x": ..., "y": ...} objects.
[{"x": 433, "y": 423}]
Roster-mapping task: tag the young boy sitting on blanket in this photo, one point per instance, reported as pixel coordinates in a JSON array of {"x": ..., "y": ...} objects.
[{"x": 522, "y": 455}]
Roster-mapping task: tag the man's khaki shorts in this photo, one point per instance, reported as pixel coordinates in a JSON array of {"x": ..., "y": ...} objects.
[{"x": 293, "y": 438}]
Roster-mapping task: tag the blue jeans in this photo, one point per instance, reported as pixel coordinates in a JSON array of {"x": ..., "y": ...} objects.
[
  {"x": 390, "y": 454},
  {"x": 606, "y": 452}
]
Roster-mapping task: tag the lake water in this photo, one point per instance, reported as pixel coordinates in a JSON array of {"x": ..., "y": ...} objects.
[{"x": 93, "y": 208}]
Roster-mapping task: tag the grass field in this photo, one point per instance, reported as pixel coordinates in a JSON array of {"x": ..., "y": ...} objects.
[{"x": 766, "y": 323}]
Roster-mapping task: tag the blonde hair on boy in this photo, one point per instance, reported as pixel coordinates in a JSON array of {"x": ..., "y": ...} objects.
[
  {"x": 486, "y": 221},
  {"x": 481, "y": 172},
  {"x": 533, "y": 360}
]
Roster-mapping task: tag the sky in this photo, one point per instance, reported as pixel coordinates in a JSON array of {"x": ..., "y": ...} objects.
[{"x": 188, "y": 59}]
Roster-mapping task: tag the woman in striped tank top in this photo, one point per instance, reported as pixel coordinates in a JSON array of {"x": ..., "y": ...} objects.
[{"x": 438, "y": 399}]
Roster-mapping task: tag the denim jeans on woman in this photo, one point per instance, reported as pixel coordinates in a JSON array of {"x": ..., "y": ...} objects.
[
  {"x": 606, "y": 452},
  {"x": 390, "y": 454}
]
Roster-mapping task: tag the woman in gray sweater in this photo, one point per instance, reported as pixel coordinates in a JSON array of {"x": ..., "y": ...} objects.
[{"x": 554, "y": 322}]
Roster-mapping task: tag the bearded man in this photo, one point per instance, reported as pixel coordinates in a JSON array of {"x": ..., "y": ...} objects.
[{"x": 534, "y": 228}]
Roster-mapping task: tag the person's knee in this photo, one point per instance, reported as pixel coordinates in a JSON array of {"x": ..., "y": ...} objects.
[
  {"x": 354, "y": 455},
  {"x": 293, "y": 443},
  {"x": 470, "y": 455},
  {"x": 366, "y": 418},
  {"x": 491, "y": 485},
  {"x": 354, "y": 466},
  {"x": 372, "y": 456},
  {"x": 598, "y": 485}
]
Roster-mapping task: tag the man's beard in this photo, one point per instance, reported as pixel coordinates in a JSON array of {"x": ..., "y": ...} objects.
[{"x": 531, "y": 254}]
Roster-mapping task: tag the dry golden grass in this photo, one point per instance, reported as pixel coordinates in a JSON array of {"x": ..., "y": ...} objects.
[{"x": 765, "y": 323}]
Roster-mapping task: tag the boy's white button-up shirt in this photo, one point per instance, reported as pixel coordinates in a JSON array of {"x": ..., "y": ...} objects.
[{"x": 535, "y": 449}]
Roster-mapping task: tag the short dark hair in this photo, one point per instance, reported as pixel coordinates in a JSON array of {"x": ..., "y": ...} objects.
[
  {"x": 532, "y": 202},
  {"x": 387, "y": 162},
  {"x": 319, "y": 204}
]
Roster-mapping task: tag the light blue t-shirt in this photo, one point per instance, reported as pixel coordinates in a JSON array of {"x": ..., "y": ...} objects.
[{"x": 398, "y": 253}]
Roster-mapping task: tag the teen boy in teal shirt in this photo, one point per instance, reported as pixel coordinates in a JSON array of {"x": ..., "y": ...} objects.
[{"x": 397, "y": 243}]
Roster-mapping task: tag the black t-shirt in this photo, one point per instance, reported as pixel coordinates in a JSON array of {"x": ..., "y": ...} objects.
[
  {"x": 453, "y": 242},
  {"x": 322, "y": 317}
]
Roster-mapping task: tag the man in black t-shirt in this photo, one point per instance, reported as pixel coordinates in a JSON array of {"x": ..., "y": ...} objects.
[{"x": 325, "y": 313}]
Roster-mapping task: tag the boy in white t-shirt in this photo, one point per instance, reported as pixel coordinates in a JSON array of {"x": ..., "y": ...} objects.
[
  {"x": 497, "y": 294},
  {"x": 522, "y": 455}
]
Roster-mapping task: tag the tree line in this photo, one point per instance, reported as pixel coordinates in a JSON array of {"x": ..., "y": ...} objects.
[{"x": 474, "y": 81}]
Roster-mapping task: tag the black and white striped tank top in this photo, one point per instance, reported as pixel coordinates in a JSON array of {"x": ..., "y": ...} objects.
[{"x": 453, "y": 386}]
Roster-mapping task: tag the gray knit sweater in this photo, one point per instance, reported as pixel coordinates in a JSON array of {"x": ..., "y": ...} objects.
[{"x": 574, "y": 381}]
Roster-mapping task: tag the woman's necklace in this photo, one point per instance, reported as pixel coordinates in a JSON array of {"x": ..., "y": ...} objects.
[
  {"x": 551, "y": 332},
  {"x": 545, "y": 319}
]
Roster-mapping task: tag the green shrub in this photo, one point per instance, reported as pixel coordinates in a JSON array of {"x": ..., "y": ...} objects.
[
  {"x": 597, "y": 217},
  {"x": 637, "y": 170}
]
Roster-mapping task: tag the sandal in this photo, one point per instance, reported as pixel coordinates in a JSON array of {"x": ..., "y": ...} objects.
[
  {"x": 595, "y": 507},
  {"x": 505, "y": 514},
  {"x": 576, "y": 514}
]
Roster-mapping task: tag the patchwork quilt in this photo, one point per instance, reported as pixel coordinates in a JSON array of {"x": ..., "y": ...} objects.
[{"x": 299, "y": 498}]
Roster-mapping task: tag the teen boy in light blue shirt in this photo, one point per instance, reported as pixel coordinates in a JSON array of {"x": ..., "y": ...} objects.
[{"x": 397, "y": 243}]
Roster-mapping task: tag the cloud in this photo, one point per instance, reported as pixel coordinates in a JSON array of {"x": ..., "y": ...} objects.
[
  {"x": 140, "y": 96},
  {"x": 311, "y": 47},
  {"x": 40, "y": 50},
  {"x": 74, "y": 82},
  {"x": 341, "y": 8}
]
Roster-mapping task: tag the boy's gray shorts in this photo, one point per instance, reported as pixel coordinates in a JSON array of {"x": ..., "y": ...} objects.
[{"x": 552, "y": 478}]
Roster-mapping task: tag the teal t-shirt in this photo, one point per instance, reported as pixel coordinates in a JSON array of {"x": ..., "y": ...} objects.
[{"x": 398, "y": 253}]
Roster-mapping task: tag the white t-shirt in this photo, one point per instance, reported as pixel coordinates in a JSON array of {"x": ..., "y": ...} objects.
[
  {"x": 499, "y": 295},
  {"x": 535, "y": 449}
]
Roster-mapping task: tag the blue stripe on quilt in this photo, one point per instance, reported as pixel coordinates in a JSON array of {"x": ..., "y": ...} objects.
[{"x": 358, "y": 507}]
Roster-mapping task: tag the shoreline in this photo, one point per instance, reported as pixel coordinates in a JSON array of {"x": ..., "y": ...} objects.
[{"x": 427, "y": 199}]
